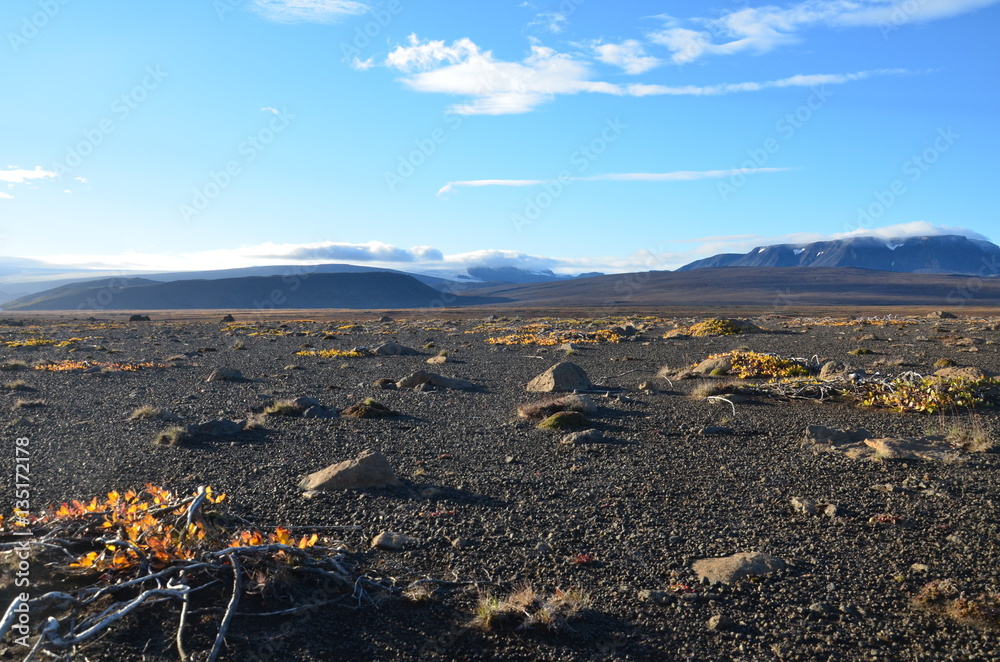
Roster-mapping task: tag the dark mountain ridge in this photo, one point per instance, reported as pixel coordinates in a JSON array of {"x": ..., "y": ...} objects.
[{"x": 944, "y": 254}]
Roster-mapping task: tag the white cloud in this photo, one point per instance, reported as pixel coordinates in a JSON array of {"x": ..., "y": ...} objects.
[
  {"x": 312, "y": 11},
  {"x": 497, "y": 87},
  {"x": 628, "y": 55},
  {"x": 676, "y": 176},
  {"x": 19, "y": 176},
  {"x": 912, "y": 229},
  {"x": 6, "y": 196},
  {"x": 761, "y": 29},
  {"x": 82, "y": 180},
  {"x": 270, "y": 109}
]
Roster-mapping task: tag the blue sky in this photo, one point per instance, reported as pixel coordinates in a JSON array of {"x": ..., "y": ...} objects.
[{"x": 574, "y": 135}]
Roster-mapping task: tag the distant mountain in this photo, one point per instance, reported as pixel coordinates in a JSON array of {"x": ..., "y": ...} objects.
[
  {"x": 515, "y": 275},
  {"x": 338, "y": 290},
  {"x": 945, "y": 254},
  {"x": 772, "y": 288}
]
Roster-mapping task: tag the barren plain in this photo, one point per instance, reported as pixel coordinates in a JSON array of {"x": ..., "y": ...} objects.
[{"x": 881, "y": 557}]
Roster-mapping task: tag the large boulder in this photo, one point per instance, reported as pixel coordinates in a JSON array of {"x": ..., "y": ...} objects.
[
  {"x": 421, "y": 377},
  {"x": 729, "y": 569},
  {"x": 370, "y": 469},
  {"x": 564, "y": 376}
]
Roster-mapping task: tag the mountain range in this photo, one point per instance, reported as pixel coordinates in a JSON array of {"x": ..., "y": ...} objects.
[
  {"x": 943, "y": 254},
  {"x": 857, "y": 271}
]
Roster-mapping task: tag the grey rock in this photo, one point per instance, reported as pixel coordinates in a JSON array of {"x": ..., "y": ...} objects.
[
  {"x": 220, "y": 427},
  {"x": 394, "y": 349},
  {"x": 658, "y": 597},
  {"x": 318, "y": 412},
  {"x": 392, "y": 541},
  {"x": 720, "y": 623},
  {"x": 226, "y": 375},
  {"x": 305, "y": 403},
  {"x": 721, "y": 363},
  {"x": 592, "y": 436},
  {"x": 710, "y": 430},
  {"x": 564, "y": 376},
  {"x": 804, "y": 506},
  {"x": 729, "y": 569},
  {"x": 421, "y": 377},
  {"x": 832, "y": 369},
  {"x": 370, "y": 469}
]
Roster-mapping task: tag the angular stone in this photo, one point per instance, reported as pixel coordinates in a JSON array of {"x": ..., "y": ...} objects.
[
  {"x": 564, "y": 376},
  {"x": 591, "y": 436},
  {"x": 370, "y": 469},
  {"x": 226, "y": 375},
  {"x": 392, "y": 541},
  {"x": 729, "y": 569},
  {"x": 804, "y": 506}
]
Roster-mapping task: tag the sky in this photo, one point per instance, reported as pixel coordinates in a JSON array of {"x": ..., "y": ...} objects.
[{"x": 572, "y": 135}]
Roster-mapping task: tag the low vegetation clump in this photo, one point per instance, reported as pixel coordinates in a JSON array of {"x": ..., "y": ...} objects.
[
  {"x": 172, "y": 436},
  {"x": 565, "y": 420},
  {"x": 19, "y": 385},
  {"x": 284, "y": 408},
  {"x": 537, "y": 411},
  {"x": 751, "y": 365},
  {"x": 526, "y": 608},
  {"x": 13, "y": 366},
  {"x": 72, "y": 366},
  {"x": 930, "y": 395},
  {"x": 708, "y": 389},
  {"x": 945, "y": 597},
  {"x": 141, "y": 549},
  {"x": 860, "y": 351},
  {"x": 30, "y": 343},
  {"x": 335, "y": 353},
  {"x": 969, "y": 435},
  {"x": 368, "y": 409},
  {"x": 944, "y": 363},
  {"x": 716, "y": 327},
  {"x": 545, "y": 336}
]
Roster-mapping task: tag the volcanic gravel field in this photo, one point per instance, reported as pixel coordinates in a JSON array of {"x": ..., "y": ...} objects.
[{"x": 622, "y": 520}]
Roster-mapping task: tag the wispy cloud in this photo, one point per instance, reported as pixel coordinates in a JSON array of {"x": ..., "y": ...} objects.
[
  {"x": 497, "y": 87},
  {"x": 307, "y": 11},
  {"x": 761, "y": 29},
  {"x": 553, "y": 21},
  {"x": 6, "y": 196},
  {"x": 800, "y": 80},
  {"x": 676, "y": 176}
]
